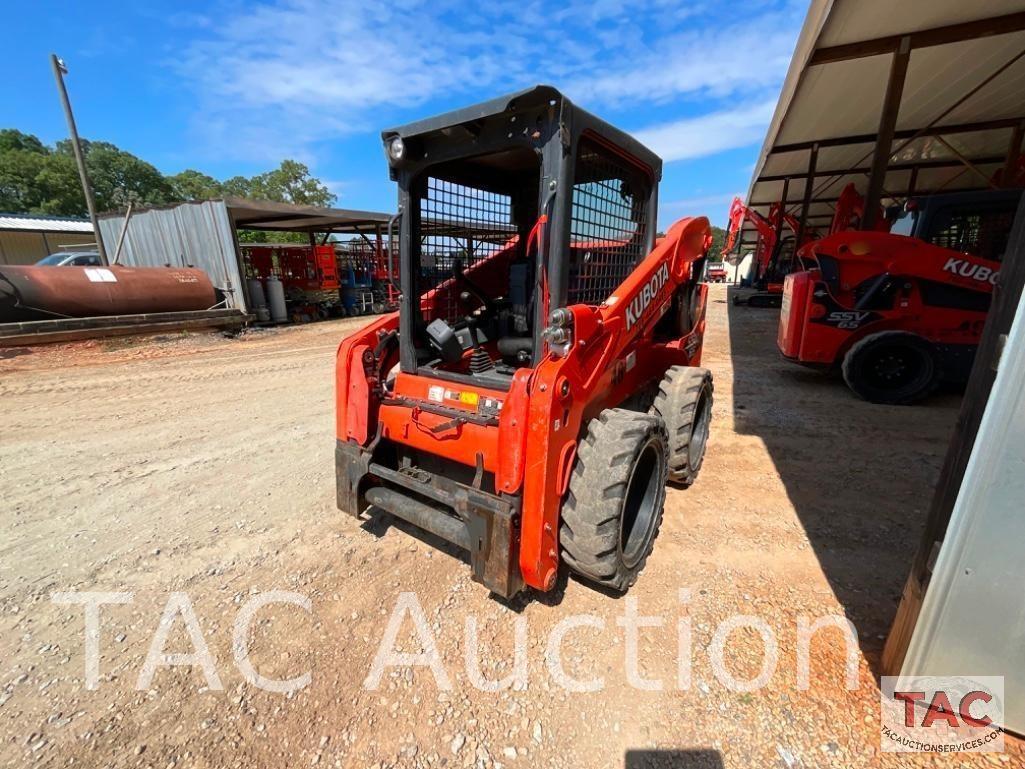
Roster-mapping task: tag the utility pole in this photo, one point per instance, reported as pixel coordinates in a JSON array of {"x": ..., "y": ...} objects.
[{"x": 59, "y": 70}]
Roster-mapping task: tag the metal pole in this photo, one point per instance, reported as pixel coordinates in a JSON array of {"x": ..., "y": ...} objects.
[
  {"x": 887, "y": 127},
  {"x": 121, "y": 237},
  {"x": 59, "y": 71},
  {"x": 1013, "y": 153},
  {"x": 813, "y": 161}
]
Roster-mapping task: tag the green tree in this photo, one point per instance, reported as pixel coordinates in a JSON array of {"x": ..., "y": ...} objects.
[
  {"x": 60, "y": 188},
  {"x": 118, "y": 177},
  {"x": 291, "y": 183},
  {"x": 194, "y": 185},
  {"x": 238, "y": 187},
  {"x": 22, "y": 159},
  {"x": 718, "y": 241},
  {"x": 19, "y": 179},
  {"x": 35, "y": 178},
  {"x": 13, "y": 139}
]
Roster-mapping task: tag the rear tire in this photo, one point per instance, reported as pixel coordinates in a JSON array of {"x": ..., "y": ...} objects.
[
  {"x": 892, "y": 367},
  {"x": 684, "y": 402},
  {"x": 617, "y": 493}
]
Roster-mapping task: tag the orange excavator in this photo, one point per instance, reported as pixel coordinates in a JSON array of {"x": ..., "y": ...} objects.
[{"x": 774, "y": 252}]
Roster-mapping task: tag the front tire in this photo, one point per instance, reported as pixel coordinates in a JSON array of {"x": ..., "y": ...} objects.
[
  {"x": 616, "y": 497},
  {"x": 892, "y": 367},
  {"x": 684, "y": 403}
]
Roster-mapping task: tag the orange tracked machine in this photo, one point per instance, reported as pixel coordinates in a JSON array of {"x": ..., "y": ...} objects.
[{"x": 539, "y": 386}]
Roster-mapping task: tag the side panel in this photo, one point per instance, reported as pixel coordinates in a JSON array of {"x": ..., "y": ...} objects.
[
  {"x": 354, "y": 401},
  {"x": 796, "y": 295}
]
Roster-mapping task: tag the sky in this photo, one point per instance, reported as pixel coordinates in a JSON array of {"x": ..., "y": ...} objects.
[{"x": 234, "y": 86}]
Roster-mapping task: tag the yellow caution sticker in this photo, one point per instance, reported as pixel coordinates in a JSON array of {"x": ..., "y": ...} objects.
[{"x": 470, "y": 399}]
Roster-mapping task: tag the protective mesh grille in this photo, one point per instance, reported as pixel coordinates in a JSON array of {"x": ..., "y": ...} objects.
[
  {"x": 459, "y": 223},
  {"x": 607, "y": 226},
  {"x": 982, "y": 234}
]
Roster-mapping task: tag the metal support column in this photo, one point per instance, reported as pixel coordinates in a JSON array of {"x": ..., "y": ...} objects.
[
  {"x": 809, "y": 184},
  {"x": 780, "y": 220},
  {"x": 1013, "y": 154},
  {"x": 887, "y": 127}
]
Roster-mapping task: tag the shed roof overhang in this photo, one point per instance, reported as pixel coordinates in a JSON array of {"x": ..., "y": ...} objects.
[
  {"x": 286, "y": 217},
  {"x": 901, "y": 99}
]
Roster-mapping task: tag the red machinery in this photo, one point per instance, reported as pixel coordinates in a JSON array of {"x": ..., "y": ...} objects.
[
  {"x": 532, "y": 405},
  {"x": 850, "y": 210},
  {"x": 774, "y": 253},
  {"x": 715, "y": 274},
  {"x": 900, "y": 313},
  {"x": 300, "y": 267}
]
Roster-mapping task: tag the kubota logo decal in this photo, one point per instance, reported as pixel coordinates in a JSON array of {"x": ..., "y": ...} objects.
[
  {"x": 967, "y": 269},
  {"x": 651, "y": 289}
]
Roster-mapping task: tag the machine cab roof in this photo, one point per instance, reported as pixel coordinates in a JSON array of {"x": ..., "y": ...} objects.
[{"x": 508, "y": 210}]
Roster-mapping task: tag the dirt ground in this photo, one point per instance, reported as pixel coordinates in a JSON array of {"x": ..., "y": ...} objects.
[{"x": 203, "y": 464}]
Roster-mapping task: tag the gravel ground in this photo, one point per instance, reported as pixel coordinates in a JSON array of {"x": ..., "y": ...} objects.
[{"x": 203, "y": 465}]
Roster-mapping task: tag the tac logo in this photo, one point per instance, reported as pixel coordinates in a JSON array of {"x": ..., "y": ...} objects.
[{"x": 946, "y": 714}]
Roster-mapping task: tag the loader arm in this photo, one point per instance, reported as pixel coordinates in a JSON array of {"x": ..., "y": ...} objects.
[{"x": 609, "y": 353}]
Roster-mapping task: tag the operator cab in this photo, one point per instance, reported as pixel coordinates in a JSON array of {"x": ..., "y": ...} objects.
[
  {"x": 509, "y": 210},
  {"x": 976, "y": 223}
]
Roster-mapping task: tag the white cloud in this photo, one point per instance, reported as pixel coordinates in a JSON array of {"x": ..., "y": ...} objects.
[
  {"x": 715, "y": 206},
  {"x": 701, "y": 204},
  {"x": 695, "y": 137},
  {"x": 695, "y": 62},
  {"x": 277, "y": 77}
]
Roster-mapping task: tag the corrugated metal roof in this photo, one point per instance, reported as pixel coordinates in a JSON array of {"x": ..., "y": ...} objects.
[
  {"x": 245, "y": 213},
  {"x": 30, "y": 223},
  {"x": 834, "y": 93}
]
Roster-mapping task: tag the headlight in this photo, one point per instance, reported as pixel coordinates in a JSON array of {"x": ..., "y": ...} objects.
[{"x": 396, "y": 149}]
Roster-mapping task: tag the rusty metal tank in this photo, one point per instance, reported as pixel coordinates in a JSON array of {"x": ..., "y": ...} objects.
[{"x": 43, "y": 293}]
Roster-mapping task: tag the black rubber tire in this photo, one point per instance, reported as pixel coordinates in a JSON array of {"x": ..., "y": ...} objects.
[
  {"x": 892, "y": 367},
  {"x": 617, "y": 493},
  {"x": 686, "y": 304},
  {"x": 684, "y": 403}
]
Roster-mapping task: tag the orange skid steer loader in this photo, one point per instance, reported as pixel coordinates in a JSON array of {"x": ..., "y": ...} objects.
[{"x": 538, "y": 387}]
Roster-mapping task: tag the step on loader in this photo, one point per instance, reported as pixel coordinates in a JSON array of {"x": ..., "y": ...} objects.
[{"x": 539, "y": 385}]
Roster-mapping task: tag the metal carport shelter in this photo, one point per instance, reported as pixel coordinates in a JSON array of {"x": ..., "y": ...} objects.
[
  {"x": 899, "y": 98},
  {"x": 203, "y": 234},
  {"x": 911, "y": 99}
]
